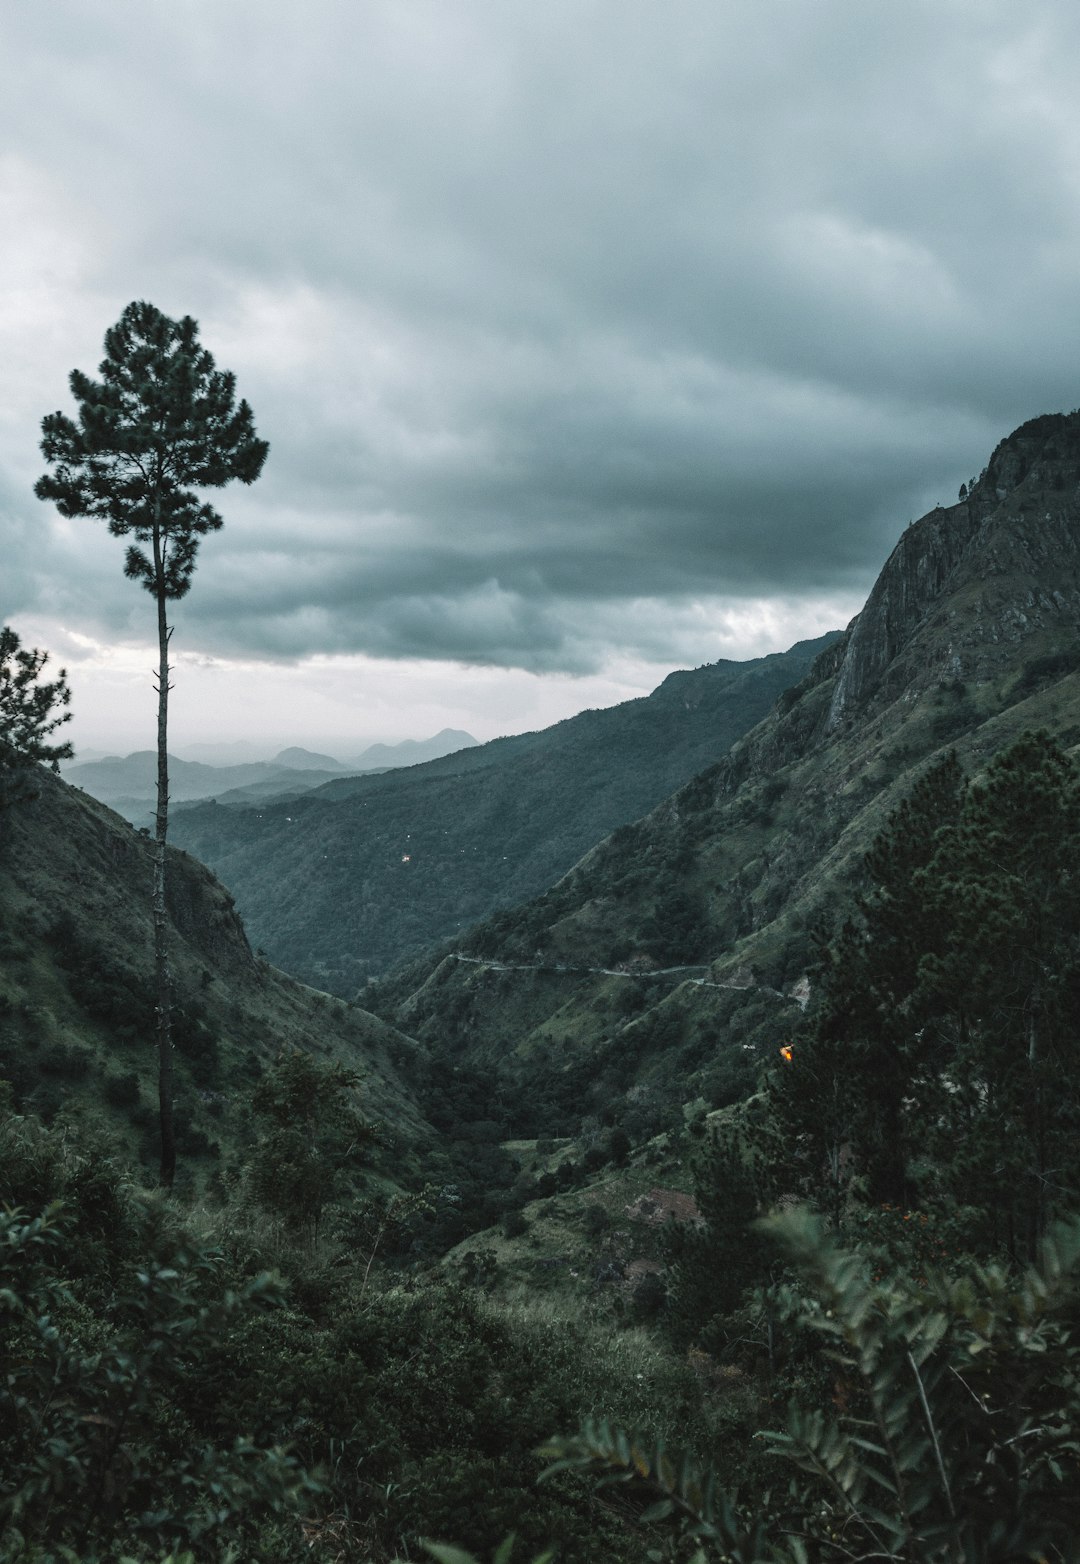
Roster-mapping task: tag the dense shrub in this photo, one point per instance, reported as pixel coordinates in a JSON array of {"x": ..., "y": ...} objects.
[
  {"x": 949, "y": 1431},
  {"x": 91, "y": 1448},
  {"x": 122, "y": 1091}
]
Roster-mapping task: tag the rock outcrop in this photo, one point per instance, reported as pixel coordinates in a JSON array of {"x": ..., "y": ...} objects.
[
  {"x": 1027, "y": 502},
  {"x": 916, "y": 573}
]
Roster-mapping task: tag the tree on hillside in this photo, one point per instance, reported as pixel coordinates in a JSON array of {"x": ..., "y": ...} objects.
[
  {"x": 716, "y": 1263},
  {"x": 161, "y": 424},
  {"x": 1005, "y": 884},
  {"x": 30, "y": 710},
  {"x": 941, "y": 1062},
  {"x": 844, "y": 1095},
  {"x": 312, "y": 1133}
]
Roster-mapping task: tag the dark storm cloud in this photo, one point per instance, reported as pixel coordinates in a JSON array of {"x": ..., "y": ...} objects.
[{"x": 559, "y": 319}]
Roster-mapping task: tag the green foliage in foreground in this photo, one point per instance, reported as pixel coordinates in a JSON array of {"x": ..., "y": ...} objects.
[
  {"x": 446, "y": 1553},
  {"x": 953, "y": 1432},
  {"x": 159, "y": 1391},
  {"x": 90, "y": 1435},
  {"x": 158, "y": 1394}
]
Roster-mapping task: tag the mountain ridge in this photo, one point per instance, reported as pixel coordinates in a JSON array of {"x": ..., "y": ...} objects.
[
  {"x": 970, "y": 635},
  {"x": 296, "y": 758},
  {"x": 344, "y": 880},
  {"x": 128, "y": 783},
  {"x": 413, "y": 752}
]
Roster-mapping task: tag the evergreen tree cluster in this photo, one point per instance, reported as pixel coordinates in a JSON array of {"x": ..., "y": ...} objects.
[
  {"x": 941, "y": 1065},
  {"x": 31, "y": 710}
]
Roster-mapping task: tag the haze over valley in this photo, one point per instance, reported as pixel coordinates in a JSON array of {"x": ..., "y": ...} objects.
[{"x": 128, "y": 783}]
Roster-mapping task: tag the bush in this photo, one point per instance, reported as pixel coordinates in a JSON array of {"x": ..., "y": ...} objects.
[
  {"x": 595, "y": 1221},
  {"x": 67, "y": 1061},
  {"x": 1045, "y": 670},
  {"x": 648, "y": 1297},
  {"x": 91, "y": 1446},
  {"x": 619, "y": 1146},
  {"x": 950, "y": 1432},
  {"x": 122, "y": 1091}
]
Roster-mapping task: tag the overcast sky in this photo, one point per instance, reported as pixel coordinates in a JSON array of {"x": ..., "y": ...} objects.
[{"x": 591, "y": 338}]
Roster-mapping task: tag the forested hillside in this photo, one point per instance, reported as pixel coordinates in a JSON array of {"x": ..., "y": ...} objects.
[{"x": 365, "y": 871}]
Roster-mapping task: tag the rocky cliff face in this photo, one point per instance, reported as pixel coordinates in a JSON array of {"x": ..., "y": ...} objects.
[
  {"x": 108, "y": 881},
  {"x": 1021, "y": 517},
  {"x": 915, "y": 575}
]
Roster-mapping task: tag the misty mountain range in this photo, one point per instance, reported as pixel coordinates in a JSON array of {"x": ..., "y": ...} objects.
[{"x": 128, "y": 784}]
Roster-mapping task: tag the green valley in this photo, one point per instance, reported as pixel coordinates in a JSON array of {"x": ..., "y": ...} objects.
[{"x": 701, "y": 1184}]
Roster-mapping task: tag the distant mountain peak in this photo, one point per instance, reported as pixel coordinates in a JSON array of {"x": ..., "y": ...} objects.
[
  {"x": 297, "y": 759},
  {"x": 413, "y": 752}
]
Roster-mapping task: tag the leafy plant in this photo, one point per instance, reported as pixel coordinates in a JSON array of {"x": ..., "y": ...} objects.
[
  {"x": 953, "y": 1435},
  {"x": 313, "y": 1132},
  {"x": 90, "y": 1439},
  {"x": 446, "y": 1553},
  {"x": 679, "y": 1491}
]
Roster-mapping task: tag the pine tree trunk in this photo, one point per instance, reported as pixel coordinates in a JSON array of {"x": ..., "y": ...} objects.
[
  {"x": 1036, "y": 1132},
  {"x": 163, "y": 977}
]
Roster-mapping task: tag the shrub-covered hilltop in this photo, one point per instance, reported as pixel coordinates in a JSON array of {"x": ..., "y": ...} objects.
[{"x": 721, "y": 1203}]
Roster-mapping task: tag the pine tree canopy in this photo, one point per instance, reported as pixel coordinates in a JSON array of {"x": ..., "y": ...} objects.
[{"x": 160, "y": 424}]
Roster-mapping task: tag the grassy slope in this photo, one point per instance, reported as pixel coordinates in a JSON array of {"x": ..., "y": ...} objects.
[{"x": 75, "y": 1014}]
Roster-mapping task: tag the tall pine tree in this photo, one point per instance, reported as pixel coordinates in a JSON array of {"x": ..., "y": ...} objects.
[{"x": 161, "y": 424}]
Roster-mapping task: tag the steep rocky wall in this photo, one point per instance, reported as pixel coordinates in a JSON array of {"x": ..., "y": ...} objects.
[
  {"x": 1027, "y": 498},
  {"x": 68, "y": 852},
  {"x": 914, "y": 576}
]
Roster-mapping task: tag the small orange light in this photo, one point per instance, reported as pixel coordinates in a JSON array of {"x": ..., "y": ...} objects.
[{"x": 785, "y": 1052}]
